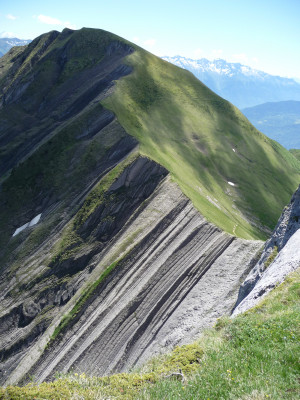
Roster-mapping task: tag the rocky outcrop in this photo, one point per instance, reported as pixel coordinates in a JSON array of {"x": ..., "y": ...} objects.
[
  {"x": 172, "y": 274},
  {"x": 56, "y": 139},
  {"x": 287, "y": 261},
  {"x": 280, "y": 256}
]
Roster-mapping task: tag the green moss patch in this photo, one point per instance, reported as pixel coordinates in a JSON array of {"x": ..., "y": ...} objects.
[
  {"x": 271, "y": 257},
  {"x": 82, "y": 300},
  {"x": 71, "y": 241}
]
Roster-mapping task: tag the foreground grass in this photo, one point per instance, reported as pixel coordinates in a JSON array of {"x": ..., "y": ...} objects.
[{"x": 254, "y": 356}]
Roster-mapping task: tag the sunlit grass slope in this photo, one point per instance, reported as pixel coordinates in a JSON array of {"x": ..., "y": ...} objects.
[
  {"x": 205, "y": 142},
  {"x": 296, "y": 153},
  {"x": 254, "y": 356}
]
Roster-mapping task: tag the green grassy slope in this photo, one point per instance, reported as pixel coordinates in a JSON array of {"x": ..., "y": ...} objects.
[
  {"x": 190, "y": 130},
  {"x": 204, "y": 141},
  {"x": 254, "y": 356}
]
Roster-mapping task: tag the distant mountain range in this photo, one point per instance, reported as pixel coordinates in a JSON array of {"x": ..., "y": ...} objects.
[
  {"x": 8, "y": 43},
  {"x": 280, "y": 121},
  {"x": 241, "y": 85}
]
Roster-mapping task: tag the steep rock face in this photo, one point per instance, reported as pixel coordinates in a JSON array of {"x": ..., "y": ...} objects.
[
  {"x": 287, "y": 261},
  {"x": 174, "y": 274},
  {"x": 280, "y": 256},
  {"x": 34, "y": 297},
  {"x": 56, "y": 139}
]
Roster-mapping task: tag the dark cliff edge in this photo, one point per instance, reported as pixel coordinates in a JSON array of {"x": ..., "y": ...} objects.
[{"x": 39, "y": 299}]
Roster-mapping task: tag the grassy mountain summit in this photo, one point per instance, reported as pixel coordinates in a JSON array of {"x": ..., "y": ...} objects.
[
  {"x": 206, "y": 143},
  {"x": 236, "y": 177},
  {"x": 99, "y": 247}
]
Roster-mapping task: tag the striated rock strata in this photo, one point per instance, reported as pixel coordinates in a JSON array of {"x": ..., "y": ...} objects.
[{"x": 169, "y": 274}]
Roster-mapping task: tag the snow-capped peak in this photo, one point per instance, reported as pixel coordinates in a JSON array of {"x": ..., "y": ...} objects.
[
  {"x": 240, "y": 84},
  {"x": 217, "y": 66}
]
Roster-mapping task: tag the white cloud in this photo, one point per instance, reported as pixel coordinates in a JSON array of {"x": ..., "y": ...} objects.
[
  {"x": 45, "y": 19},
  {"x": 240, "y": 58},
  {"x": 10, "y": 16},
  {"x": 136, "y": 39},
  {"x": 198, "y": 53},
  {"x": 149, "y": 42},
  {"x": 210, "y": 55},
  {"x": 49, "y": 20},
  {"x": 5, "y": 34},
  {"x": 216, "y": 53}
]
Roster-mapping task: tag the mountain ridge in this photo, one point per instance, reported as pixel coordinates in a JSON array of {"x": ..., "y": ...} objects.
[{"x": 110, "y": 150}]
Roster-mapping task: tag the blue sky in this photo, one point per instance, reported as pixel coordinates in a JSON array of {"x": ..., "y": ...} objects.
[{"x": 264, "y": 34}]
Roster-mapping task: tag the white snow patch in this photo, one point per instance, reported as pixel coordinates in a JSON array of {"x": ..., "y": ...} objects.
[
  {"x": 231, "y": 183},
  {"x": 34, "y": 221},
  {"x": 233, "y": 150}
]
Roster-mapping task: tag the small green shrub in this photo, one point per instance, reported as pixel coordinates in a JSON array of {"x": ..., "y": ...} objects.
[{"x": 271, "y": 257}]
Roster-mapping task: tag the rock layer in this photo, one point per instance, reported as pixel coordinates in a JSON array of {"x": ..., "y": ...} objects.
[{"x": 176, "y": 275}]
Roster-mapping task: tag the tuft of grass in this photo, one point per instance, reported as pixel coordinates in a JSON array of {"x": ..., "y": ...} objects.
[
  {"x": 271, "y": 257},
  {"x": 125, "y": 386},
  {"x": 71, "y": 241},
  {"x": 82, "y": 300},
  {"x": 97, "y": 195},
  {"x": 253, "y": 356}
]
